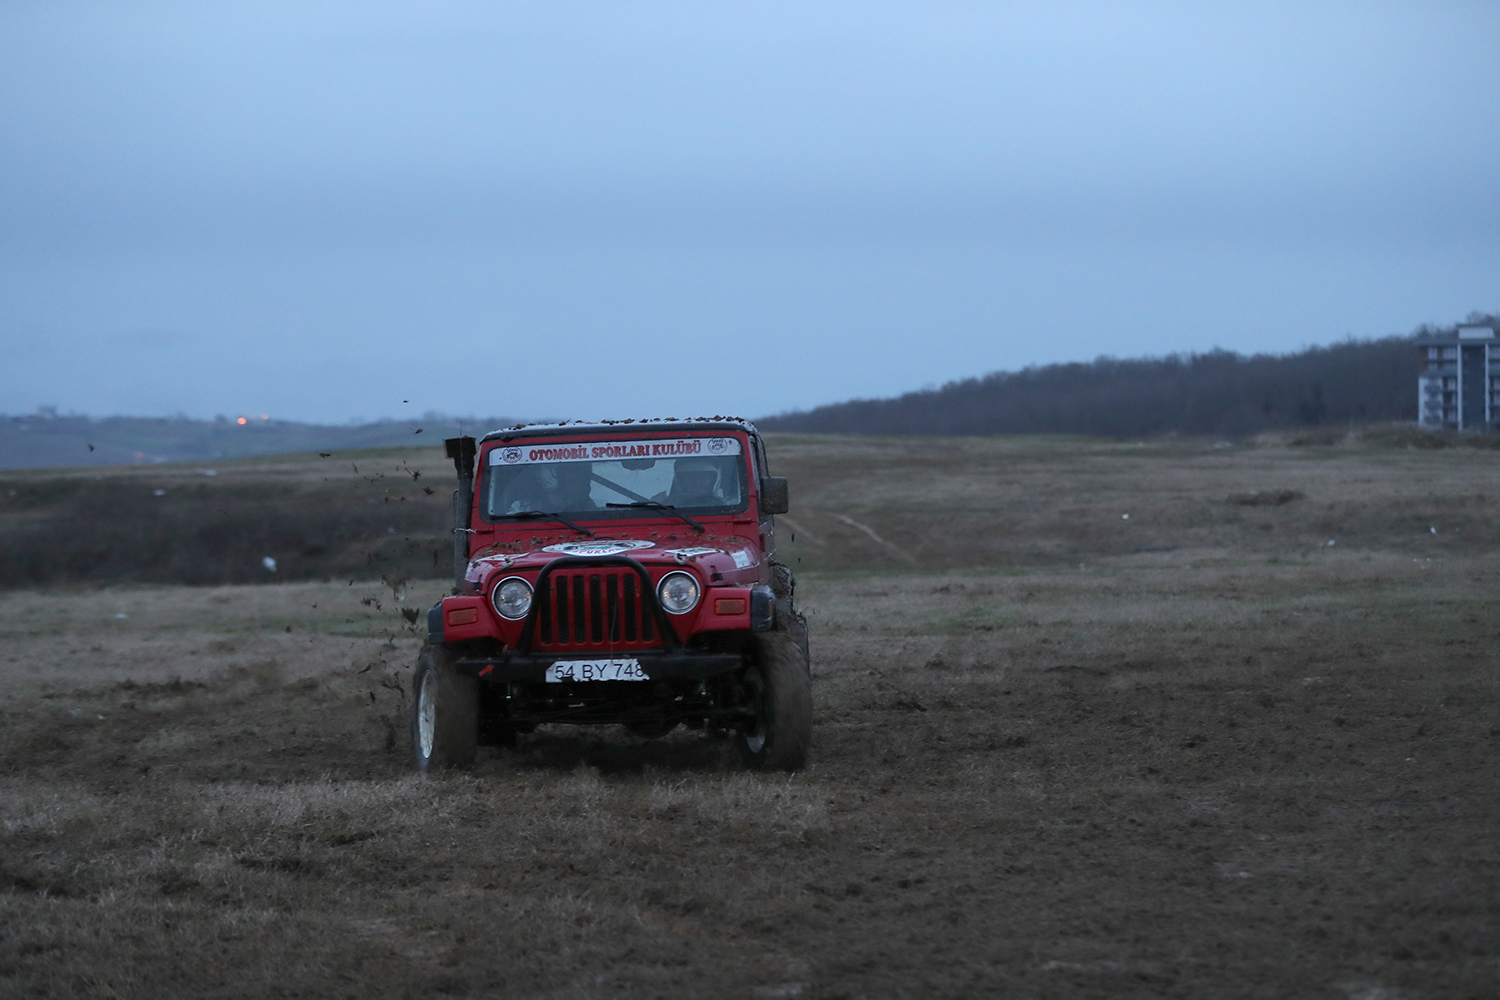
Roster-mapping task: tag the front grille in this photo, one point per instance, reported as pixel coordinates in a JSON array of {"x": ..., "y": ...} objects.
[{"x": 594, "y": 609}]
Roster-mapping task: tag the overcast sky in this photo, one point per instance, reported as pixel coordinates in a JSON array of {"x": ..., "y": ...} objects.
[{"x": 620, "y": 209}]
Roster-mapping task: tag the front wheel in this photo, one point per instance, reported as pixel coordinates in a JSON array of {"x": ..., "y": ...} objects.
[
  {"x": 779, "y": 692},
  {"x": 445, "y": 713}
]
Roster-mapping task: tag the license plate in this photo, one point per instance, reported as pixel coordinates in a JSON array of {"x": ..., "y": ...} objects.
[{"x": 595, "y": 670}]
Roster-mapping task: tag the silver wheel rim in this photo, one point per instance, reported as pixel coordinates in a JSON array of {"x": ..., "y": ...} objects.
[{"x": 426, "y": 717}]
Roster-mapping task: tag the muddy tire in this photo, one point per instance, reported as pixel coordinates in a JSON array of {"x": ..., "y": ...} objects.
[
  {"x": 788, "y": 618},
  {"x": 779, "y": 690},
  {"x": 445, "y": 713},
  {"x": 794, "y": 624}
]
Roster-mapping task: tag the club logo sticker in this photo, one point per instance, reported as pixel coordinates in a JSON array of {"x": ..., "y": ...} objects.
[
  {"x": 613, "y": 451},
  {"x": 611, "y": 548}
]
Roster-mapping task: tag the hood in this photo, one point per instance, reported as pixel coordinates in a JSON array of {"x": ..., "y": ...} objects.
[{"x": 726, "y": 559}]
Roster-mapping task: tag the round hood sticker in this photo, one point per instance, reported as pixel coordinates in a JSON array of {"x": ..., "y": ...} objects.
[{"x": 610, "y": 548}]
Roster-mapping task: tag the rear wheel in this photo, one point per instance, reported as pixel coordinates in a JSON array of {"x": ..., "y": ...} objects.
[
  {"x": 779, "y": 691},
  {"x": 445, "y": 713},
  {"x": 651, "y": 726}
]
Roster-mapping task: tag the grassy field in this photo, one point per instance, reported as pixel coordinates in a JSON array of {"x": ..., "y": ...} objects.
[
  {"x": 357, "y": 514},
  {"x": 860, "y": 505},
  {"x": 1193, "y": 752}
]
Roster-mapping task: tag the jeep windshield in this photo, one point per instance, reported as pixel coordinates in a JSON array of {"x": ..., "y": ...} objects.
[{"x": 650, "y": 477}]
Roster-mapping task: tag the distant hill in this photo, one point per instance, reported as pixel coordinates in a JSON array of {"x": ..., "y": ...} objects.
[
  {"x": 45, "y": 439},
  {"x": 1216, "y": 394}
]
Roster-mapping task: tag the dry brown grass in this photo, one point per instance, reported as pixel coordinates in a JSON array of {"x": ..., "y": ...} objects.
[
  {"x": 375, "y": 513},
  {"x": 1231, "y": 766},
  {"x": 995, "y": 502}
]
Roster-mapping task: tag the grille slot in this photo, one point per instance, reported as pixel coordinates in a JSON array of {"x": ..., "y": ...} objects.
[
  {"x": 612, "y": 606},
  {"x": 578, "y": 609},
  {"x": 594, "y": 607},
  {"x": 630, "y": 618}
]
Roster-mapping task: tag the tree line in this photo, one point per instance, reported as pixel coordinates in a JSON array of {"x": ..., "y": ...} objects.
[{"x": 1219, "y": 393}]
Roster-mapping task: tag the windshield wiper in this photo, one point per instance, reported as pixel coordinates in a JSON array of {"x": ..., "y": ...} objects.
[
  {"x": 529, "y": 514},
  {"x": 653, "y": 505}
]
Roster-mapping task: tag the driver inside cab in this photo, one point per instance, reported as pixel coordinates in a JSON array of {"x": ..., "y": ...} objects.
[{"x": 695, "y": 483}]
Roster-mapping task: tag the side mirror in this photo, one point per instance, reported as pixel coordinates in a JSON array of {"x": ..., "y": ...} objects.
[{"x": 774, "y": 498}]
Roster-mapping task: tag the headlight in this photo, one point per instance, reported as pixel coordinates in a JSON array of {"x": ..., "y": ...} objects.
[
  {"x": 512, "y": 598},
  {"x": 678, "y": 592}
]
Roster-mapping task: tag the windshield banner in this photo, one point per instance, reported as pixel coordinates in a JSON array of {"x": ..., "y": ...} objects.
[{"x": 611, "y": 451}]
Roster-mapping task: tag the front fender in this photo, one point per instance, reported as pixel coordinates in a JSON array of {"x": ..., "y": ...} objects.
[{"x": 456, "y": 618}]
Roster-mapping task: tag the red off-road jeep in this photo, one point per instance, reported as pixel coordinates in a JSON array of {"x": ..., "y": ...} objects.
[{"x": 615, "y": 573}]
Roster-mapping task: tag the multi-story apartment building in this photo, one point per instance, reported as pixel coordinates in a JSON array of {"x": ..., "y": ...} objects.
[{"x": 1458, "y": 385}]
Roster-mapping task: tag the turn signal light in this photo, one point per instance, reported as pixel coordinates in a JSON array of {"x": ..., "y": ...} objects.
[
  {"x": 463, "y": 616},
  {"x": 729, "y": 606}
]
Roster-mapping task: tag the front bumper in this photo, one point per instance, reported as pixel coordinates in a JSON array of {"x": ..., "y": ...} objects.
[{"x": 658, "y": 665}]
